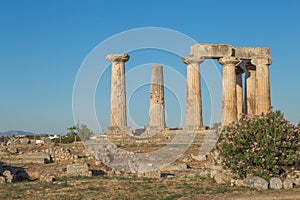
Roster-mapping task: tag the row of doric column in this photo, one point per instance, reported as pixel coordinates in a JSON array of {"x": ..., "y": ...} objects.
[{"x": 253, "y": 99}]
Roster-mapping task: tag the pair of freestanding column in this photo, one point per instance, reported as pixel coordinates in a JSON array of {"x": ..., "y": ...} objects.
[{"x": 118, "y": 94}]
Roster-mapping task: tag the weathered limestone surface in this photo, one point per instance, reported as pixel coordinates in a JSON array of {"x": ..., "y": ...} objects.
[
  {"x": 9, "y": 176},
  {"x": 250, "y": 52},
  {"x": 48, "y": 178},
  {"x": 193, "y": 92},
  {"x": 60, "y": 154},
  {"x": 263, "y": 100},
  {"x": 157, "y": 102},
  {"x": 256, "y": 182},
  {"x": 275, "y": 183},
  {"x": 250, "y": 87},
  {"x": 211, "y": 50},
  {"x": 287, "y": 184},
  {"x": 229, "y": 99},
  {"x": 118, "y": 91},
  {"x": 34, "y": 157},
  {"x": 78, "y": 170}
]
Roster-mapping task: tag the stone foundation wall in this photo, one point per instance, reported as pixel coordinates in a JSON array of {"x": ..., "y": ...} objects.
[{"x": 123, "y": 137}]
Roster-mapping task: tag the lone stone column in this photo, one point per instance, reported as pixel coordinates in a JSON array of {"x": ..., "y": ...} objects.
[
  {"x": 250, "y": 86},
  {"x": 193, "y": 92},
  {"x": 229, "y": 100},
  {"x": 239, "y": 91},
  {"x": 118, "y": 91},
  {"x": 263, "y": 99},
  {"x": 157, "y": 103}
]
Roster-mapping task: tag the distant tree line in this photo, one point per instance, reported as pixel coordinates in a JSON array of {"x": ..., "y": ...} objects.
[{"x": 78, "y": 132}]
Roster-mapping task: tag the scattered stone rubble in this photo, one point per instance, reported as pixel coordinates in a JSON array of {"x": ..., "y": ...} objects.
[
  {"x": 48, "y": 178},
  {"x": 60, "y": 154}
]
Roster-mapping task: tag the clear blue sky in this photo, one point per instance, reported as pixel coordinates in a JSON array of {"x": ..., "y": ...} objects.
[{"x": 43, "y": 43}]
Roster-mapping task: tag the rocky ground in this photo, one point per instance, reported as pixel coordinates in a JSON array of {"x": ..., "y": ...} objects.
[
  {"x": 104, "y": 187},
  {"x": 32, "y": 171}
]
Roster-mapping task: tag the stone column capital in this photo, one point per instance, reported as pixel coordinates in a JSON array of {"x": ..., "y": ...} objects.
[
  {"x": 117, "y": 57},
  {"x": 261, "y": 61},
  {"x": 192, "y": 59},
  {"x": 229, "y": 61}
]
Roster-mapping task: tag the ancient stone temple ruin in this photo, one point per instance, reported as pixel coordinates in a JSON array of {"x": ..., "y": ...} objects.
[
  {"x": 253, "y": 61},
  {"x": 254, "y": 98}
]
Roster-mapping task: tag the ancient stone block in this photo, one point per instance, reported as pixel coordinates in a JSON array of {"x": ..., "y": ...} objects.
[
  {"x": 275, "y": 183},
  {"x": 223, "y": 177},
  {"x": 288, "y": 184},
  {"x": 237, "y": 182},
  {"x": 9, "y": 176},
  {"x": 256, "y": 182},
  {"x": 36, "y": 157},
  {"x": 48, "y": 178},
  {"x": 78, "y": 170},
  {"x": 211, "y": 50},
  {"x": 250, "y": 52}
]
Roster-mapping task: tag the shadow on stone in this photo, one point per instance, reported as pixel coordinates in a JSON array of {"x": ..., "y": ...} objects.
[
  {"x": 11, "y": 174},
  {"x": 167, "y": 175},
  {"x": 97, "y": 172}
]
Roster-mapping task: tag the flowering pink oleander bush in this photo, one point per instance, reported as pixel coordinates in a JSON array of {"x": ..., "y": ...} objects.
[{"x": 264, "y": 145}]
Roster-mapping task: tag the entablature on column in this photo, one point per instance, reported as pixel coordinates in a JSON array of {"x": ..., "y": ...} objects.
[
  {"x": 211, "y": 50},
  {"x": 216, "y": 51},
  {"x": 247, "y": 53}
]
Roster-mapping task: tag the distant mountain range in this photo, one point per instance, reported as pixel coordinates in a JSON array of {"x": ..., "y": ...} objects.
[{"x": 16, "y": 132}]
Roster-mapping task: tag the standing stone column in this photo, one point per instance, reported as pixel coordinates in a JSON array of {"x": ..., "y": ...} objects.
[
  {"x": 157, "y": 103},
  {"x": 229, "y": 100},
  {"x": 193, "y": 92},
  {"x": 250, "y": 86},
  {"x": 118, "y": 90},
  {"x": 239, "y": 91},
  {"x": 263, "y": 99}
]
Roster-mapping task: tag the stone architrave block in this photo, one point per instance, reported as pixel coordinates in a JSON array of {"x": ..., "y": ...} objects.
[
  {"x": 211, "y": 50},
  {"x": 250, "y": 52}
]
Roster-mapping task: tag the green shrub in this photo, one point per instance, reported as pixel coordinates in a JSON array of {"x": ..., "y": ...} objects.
[
  {"x": 66, "y": 139},
  {"x": 265, "y": 145}
]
